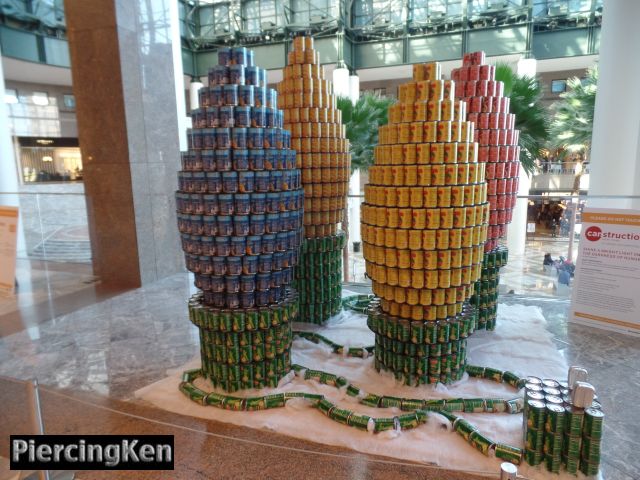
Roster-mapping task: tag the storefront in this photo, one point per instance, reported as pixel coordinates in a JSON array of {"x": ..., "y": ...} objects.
[{"x": 49, "y": 159}]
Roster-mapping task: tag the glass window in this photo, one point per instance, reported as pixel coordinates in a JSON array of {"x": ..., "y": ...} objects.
[
  {"x": 10, "y": 96},
  {"x": 70, "y": 102},
  {"x": 40, "y": 98},
  {"x": 558, "y": 86},
  {"x": 303, "y": 10},
  {"x": 379, "y": 12},
  {"x": 256, "y": 13}
]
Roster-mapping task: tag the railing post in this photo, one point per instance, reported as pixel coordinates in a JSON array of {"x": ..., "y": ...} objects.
[{"x": 35, "y": 412}]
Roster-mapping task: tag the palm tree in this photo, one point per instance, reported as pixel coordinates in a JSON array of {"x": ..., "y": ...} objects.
[
  {"x": 572, "y": 127},
  {"x": 572, "y": 123},
  {"x": 362, "y": 121},
  {"x": 531, "y": 117}
]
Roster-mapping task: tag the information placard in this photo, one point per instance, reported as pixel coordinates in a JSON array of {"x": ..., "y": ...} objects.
[
  {"x": 8, "y": 243},
  {"x": 607, "y": 277}
]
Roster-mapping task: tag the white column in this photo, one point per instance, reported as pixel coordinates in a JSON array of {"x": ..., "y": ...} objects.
[
  {"x": 8, "y": 171},
  {"x": 354, "y": 208},
  {"x": 341, "y": 85},
  {"x": 9, "y": 179},
  {"x": 354, "y": 88},
  {"x": 615, "y": 147},
  {"x": 194, "y": 101},
  {"x": 178, "y": 75},
  {"x": 517, "y": 230}
]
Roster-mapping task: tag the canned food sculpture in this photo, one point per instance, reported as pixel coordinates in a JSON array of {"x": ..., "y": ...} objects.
[
  {"x": 240, "y": 215},
  {"x": 498, "y": 149},
  {"x": 424, "y": 225},
  {"x": 317, "y": 134}
]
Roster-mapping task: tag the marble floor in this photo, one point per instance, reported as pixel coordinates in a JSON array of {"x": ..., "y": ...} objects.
[
  {"x": 46, "y": 290},
  {"x": 92, "y": 360}
]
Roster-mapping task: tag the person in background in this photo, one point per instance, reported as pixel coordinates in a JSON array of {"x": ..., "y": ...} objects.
[
  {"x": 548, "y": 261},
  {"x": 564, "y": 277}
]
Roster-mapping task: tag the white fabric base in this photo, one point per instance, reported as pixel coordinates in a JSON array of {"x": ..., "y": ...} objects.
[{"x": 520, "y": 343}]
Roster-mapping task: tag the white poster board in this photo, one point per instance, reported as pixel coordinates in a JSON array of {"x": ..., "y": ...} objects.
[
  {"x": 606, "y": 290},
  {"x": 8, "y": 243}
]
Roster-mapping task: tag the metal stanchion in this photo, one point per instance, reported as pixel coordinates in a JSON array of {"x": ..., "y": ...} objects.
[
  {"x": 35, "y": 412},
  {"x": 37, "y": 426}
]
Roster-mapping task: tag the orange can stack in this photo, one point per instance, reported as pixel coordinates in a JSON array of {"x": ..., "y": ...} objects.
[
  {"x": 319, "y": 137},
  {"x": 424, "y": 220}
]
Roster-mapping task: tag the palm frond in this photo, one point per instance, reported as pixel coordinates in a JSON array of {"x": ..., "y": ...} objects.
[
  {"x": 572, "y": 124},
  {"x": 531, "y": 117},
  {"x": 362, "y": 121}
]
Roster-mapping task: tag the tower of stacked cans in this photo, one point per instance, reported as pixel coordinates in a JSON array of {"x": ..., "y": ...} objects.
[
  {"x": 317, "y": 134},
  {"x": 498, "y": 149},
  {"x": 424, "y": 225},
  {"x": 240, "y": 213},
  {"x": 560, "y": 429}
]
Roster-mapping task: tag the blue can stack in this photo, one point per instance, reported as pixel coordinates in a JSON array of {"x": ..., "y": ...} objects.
[{"x": 240, "y": 204}]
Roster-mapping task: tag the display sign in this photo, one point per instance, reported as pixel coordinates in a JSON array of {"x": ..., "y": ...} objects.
[
  {"x": 607, "y": 276},
  {"x": 531, "y": 227},
  {"x": 8, "y": 243}
]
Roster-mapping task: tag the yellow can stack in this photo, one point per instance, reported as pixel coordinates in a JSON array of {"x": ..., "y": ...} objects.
[{"x": 424, "y": 220}]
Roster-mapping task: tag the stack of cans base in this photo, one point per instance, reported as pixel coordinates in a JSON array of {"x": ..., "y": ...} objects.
[
  {"x": 245, "y": 348},
  {"x": 498, "y": 148},
  {"x": 319, "y": 137},
  {"x": 485, "y": 296},
  {"x": 558, "y": 434},
  {"x": 319, "y": 278},
  {"x": 423, "y": 222},
  {"x": 420, "y": 352},
  {"x": 240, "y": 211}
]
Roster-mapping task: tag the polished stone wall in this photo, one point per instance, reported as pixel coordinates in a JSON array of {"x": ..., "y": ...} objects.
[{"x": 122, "y": 67}]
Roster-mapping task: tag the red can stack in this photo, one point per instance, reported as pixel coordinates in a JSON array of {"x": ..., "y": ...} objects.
[{"x": 497, "y": 139}]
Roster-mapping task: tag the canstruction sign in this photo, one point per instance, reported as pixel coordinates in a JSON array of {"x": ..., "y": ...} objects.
[{"x": 607, "y": 278}]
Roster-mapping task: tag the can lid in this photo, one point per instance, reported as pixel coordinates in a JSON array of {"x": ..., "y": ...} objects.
[{"x": 508, "y": 469}]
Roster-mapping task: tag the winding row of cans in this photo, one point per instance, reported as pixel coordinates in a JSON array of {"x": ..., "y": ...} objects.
[
  {"x": 558, "y": 433},
  {"x": 240, "y": 215},
  {"x": 318, "y": 135},
  {"x": 319, "y": 277}
]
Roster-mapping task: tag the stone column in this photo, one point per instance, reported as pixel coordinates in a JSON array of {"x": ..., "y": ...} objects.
[
  {"x": 615, "y": 147},
  {"x": 123, "y": 66}
]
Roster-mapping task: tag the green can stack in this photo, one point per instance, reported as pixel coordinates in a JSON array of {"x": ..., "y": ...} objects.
[
  {"x": 559, "y": 434},
  {"x": 243, "y": 349},
  {"x": 319, "y": 278},
  {"x": 485, "y": 297},
  {"x": 422, "y": 352}
]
